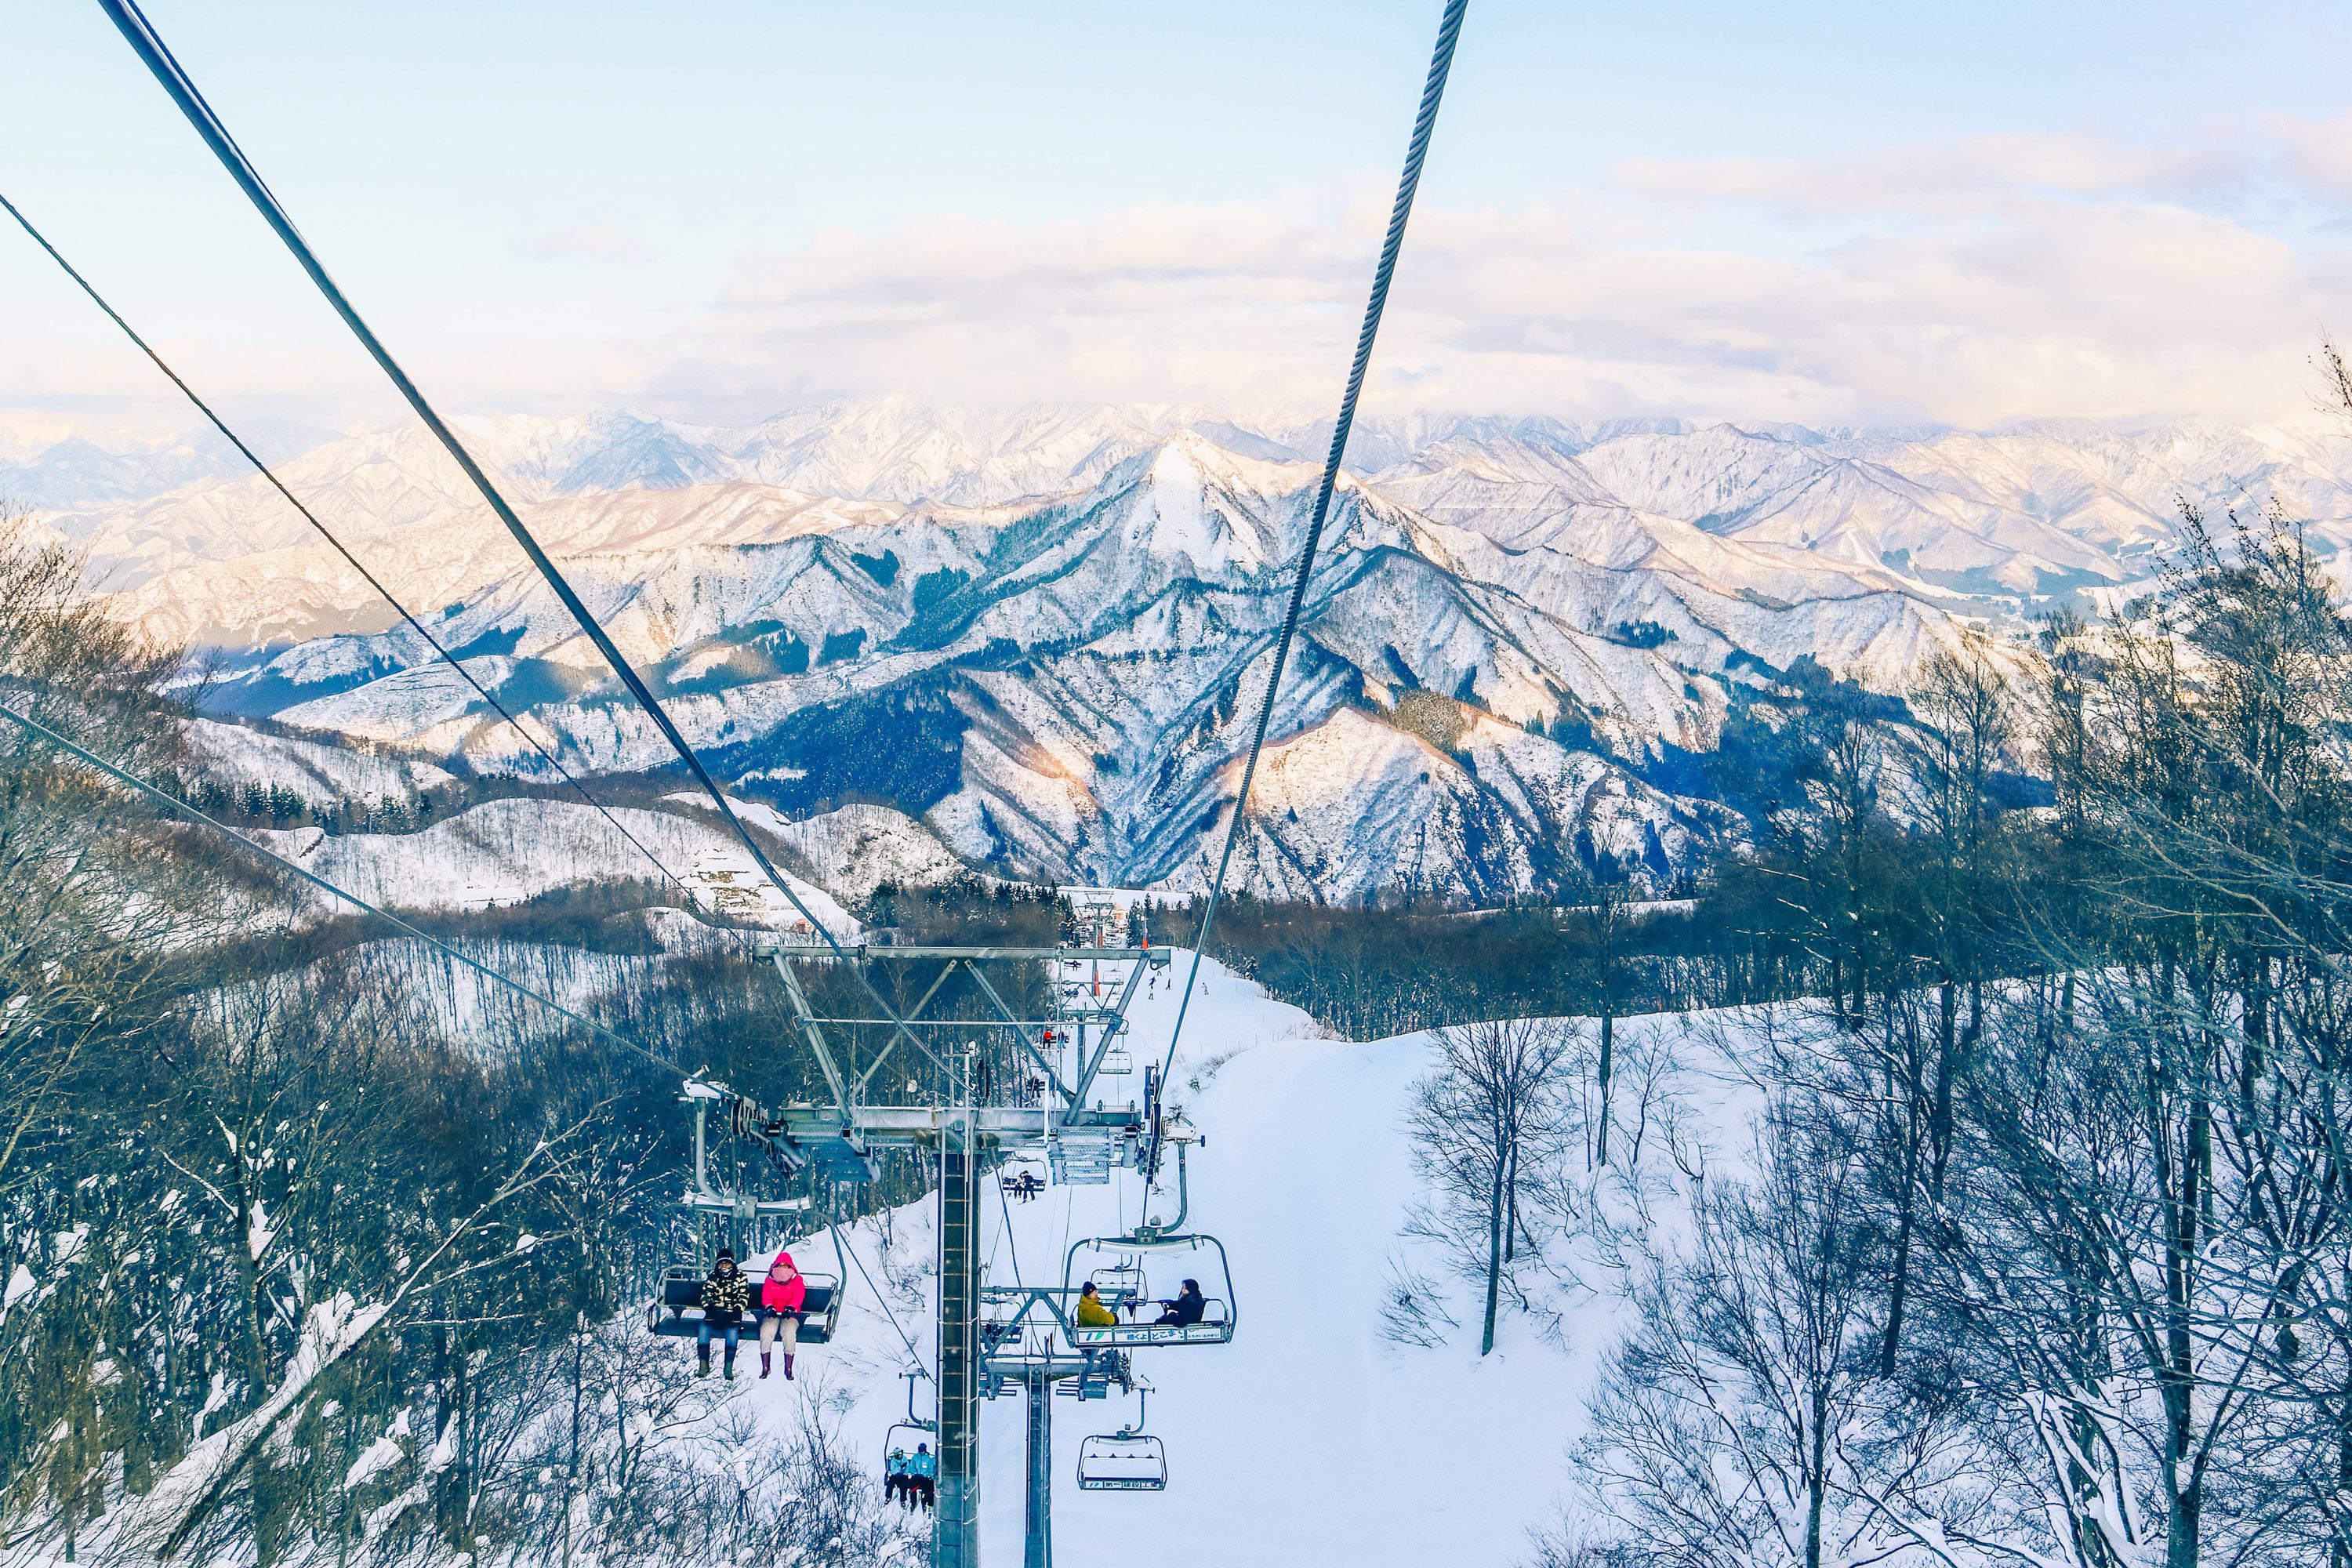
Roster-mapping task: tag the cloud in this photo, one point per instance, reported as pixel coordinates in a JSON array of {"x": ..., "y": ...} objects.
[
  {"x": 1966, "y": 173},
  {"x": 1972, "y": 282},
  {"x": 1990, "y": 279}
]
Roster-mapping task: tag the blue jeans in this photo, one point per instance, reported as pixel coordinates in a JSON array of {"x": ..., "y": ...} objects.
[{"x": 702, "y": 1337}]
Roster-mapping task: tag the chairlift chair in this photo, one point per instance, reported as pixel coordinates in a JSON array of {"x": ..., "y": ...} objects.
[
  {"x": 1120, "y": 1281},
  {"x": 1168, "y": 1256},
  {"x": 916, "y": 1428},
  {"x": 676, "y": 1309},
  {"x": 1128, "y": 1460}
]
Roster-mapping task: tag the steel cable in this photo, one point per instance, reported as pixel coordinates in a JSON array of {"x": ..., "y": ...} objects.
[
  {"x": 1416, "y": 150},
  {"x": 309, "y": 517},
  {"x": 149, "y": 45}
]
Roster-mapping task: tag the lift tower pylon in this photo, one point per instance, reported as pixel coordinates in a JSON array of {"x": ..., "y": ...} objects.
[
  {"x": 1037, "y": 1537},
  {"x": 955, "y": 1534},
  {"x": 1027, "y": 1097}
]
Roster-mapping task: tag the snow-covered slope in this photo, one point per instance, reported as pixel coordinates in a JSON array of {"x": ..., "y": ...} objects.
[
  {"x": 505, "y": 851},
  {"x": 233, "y": 756},
  {"x": 1311, "y": 1438}
]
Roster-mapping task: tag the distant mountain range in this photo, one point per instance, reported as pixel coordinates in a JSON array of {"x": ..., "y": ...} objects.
[{"x": 1043, "y": 631}]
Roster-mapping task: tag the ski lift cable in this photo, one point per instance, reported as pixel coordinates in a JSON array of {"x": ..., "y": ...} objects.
[
  {"x": 1010, "y": 1239},
  {"x": 916, "y": 1359},
  {"x": 1417, "y": 150},
  {"x": 148, "y": 44},
  {"x": 35, "y": 728},
  {"x": 326, "y": 534}
]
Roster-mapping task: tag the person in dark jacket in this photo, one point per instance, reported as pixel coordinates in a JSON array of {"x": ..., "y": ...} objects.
[
  {"x": 1187, "y": 1307},
  {"x": 726, "y": 1298}
]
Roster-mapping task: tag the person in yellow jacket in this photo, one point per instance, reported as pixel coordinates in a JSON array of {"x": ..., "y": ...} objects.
[{"x": 1092, "y": 1313}]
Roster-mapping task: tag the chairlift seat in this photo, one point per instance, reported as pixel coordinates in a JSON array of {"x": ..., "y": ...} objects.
[
  {"x": 1215, "y": 1328},
  {"x": 1122, "y": 1462},
  {"x": 677, "y": 1312}
]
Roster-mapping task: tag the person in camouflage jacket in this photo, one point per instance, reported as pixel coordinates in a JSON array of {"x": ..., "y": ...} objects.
[{"x": 725, "y": 1299}]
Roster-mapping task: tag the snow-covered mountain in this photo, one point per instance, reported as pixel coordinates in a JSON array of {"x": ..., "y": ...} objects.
[{"x": 1044, "y": 630}]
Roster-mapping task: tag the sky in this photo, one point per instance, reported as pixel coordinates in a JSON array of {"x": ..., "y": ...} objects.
[{"x": 1834, "y": 214}]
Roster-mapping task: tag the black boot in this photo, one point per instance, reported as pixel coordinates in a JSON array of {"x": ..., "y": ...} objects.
[
  {"x": 730, "y": 1366},
  {"x": 702, "y": 1359},
  {"x": 764, "y": 1365}
]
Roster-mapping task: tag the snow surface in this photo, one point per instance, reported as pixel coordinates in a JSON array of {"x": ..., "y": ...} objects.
[
  {"x": 1310, "y": 1438},
  {"x": 505, "y": 851}
]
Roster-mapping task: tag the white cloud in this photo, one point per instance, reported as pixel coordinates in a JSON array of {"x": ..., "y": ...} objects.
[
  {"x": 2009, "y": 277},
  {"x": 1973, "y": 282}
]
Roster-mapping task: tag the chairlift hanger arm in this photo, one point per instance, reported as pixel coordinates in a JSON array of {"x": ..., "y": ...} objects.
[{"x": 1110, "y": 1037}]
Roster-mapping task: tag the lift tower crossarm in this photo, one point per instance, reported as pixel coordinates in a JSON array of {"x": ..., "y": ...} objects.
[
  {"x": 994, "y": 1124},
  {"x": 862, "y": 953}
]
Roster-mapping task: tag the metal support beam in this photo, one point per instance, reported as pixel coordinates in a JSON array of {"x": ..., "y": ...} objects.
[
  {"x": 865, "y": 954},
  {"x": 833, "y": 1080},
  {"x": 997, "y": 1125},
  {"x": 1037, "y": 1537},
  {"x": 955, "y": 1524}
]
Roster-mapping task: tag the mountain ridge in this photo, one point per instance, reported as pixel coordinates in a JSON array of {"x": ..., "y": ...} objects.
[{"x": 1043, "y": 631}]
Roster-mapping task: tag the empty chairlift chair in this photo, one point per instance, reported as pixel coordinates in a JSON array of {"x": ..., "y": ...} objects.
[
  {"x": 1122, "y": 1462},
  {"x": 1128, "y": 1460}
]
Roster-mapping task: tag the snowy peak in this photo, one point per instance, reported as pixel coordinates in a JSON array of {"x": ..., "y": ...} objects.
[{"x": 1040, "y": 631}]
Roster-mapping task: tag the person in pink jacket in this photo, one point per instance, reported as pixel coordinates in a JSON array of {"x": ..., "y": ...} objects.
[{"x": 782, "y": 1293}]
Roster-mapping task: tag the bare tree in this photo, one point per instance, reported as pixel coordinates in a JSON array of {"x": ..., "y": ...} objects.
[
  {"x": 1740, "y": 1422},
  {"x": 1491, "y": 1102}
]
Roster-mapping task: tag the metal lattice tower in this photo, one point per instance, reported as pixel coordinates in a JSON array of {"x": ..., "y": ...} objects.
[{"x": 978, "y": 1107}]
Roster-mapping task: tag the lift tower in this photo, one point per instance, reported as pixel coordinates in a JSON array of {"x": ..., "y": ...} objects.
[{"x": 974, "y": 1089}]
